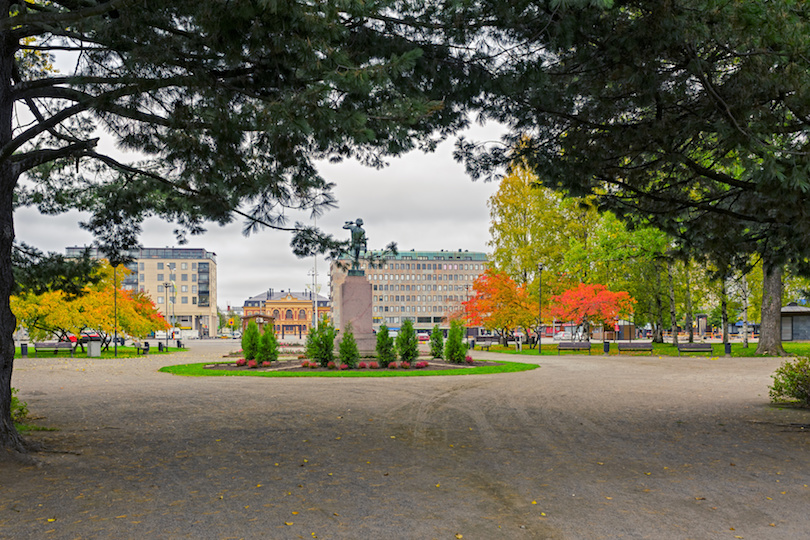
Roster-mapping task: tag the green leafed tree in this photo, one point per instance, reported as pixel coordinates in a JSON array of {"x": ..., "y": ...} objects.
[
  {"x": 689, "y": 115},
  {"x": 268, "y": 345},
  {"x": 250, "y": 341},
  {"x": 436, "y": 342},
  {"x": 454, "y": 350},
  {"x": 223, "y": 110},
  {"x": 347, "y": 350},
  {"x": 407, "y": 344},
  {"x": 385, "y": 350}
]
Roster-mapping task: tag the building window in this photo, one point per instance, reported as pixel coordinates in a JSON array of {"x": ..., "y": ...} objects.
[
  {"x": 288, "y": 315},
  {"x": 160, "y": 288},
  {"x": 193, "y": 278},
  {"x": 184, "y": 299},
  {"x": 194, "y": 300},
  {"x": 160, "y": 300},
  {"x": 183, "y": 277},
  {"x": 160, "y": 277},
  {"x": 302, "y": 315},
  {"x": 193, "y": 288},
  {"x": 184, "y": 266},
  {"x": 183, "y": 288},
  {"x": 159, "y": 266},
  {"x": 275, "y": 314}
]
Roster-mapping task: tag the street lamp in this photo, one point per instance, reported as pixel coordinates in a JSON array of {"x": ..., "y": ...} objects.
[
  {"x": 166, "y": 286},
  {"x": 540, "y": 308},
  {"x": 115, "y": 309}
]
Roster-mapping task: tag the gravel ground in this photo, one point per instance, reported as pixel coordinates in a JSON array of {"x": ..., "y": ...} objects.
[{"x": 586, "y": 447}]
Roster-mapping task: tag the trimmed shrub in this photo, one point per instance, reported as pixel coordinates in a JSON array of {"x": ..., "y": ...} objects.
[
  {"x": 250, "y": 340},
  {"x": 791, "y": 381},
  {"x": 348, "y": 352},
  {"x": 385, "y": 347},
  {"x": 392, "y": 365},
  {"x": 407, "y": 343},
  {"x": 405, "y": 365},
  {"x": 252, "y": 364},
  {"x": 268, "y": 345},
  {"x": 321, "y": 343},
  {"x": 373, "y": 365},
  {"x": 436, "y": 342},
  {"x": 241, "y": 362},
  {"x": 455, "y": 351}
]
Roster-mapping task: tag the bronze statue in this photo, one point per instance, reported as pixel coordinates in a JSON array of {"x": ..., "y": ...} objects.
[{"x": 357, "y": 243}]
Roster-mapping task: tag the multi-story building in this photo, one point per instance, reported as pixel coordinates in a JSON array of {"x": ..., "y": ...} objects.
[
  {"x": 181, "y": 281},
  {"x": 423, "y": 286},
  {"x": 292, "y": 312}
]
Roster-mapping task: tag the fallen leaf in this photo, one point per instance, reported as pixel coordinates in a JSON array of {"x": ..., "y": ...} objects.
[
  {"x": 458, "y": 535},
  {"x": 534, "y": 502},
  {"x": 700, "y": 498},
  {"x": 295, "y": 513},
  {"x": 288, "y": 523}
]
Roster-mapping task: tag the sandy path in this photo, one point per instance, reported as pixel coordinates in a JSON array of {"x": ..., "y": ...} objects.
[{"x": 586, "y": 447}]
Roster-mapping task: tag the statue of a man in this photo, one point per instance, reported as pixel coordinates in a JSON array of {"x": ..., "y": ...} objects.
[{"x": 358, "y": 241}]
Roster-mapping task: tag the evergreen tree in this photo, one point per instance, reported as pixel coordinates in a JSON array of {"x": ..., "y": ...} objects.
[
  {"x": 385, "y": 347},
  {"x": 250, "y": 341},
  {"x": 268, "y": 345},
  {"x": 321, "y": 343},
  {"x": 407, "y": 343},
  {"x": 347, "y": 350},
  {"x": 225, "y": 112},
  {"x": 454, "y": 351},
  {"x": 436, "y": 342}
]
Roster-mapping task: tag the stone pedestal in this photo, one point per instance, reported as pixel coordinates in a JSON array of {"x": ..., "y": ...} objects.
[{"x": 355, "y": 309}]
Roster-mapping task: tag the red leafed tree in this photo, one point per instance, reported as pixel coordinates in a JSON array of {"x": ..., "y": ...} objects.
[
  {"x": 499, "y": 304},
  {"x": 589, "y": 304}
]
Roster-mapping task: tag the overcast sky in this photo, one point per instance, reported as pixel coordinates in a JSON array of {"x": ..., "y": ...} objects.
[{"x": 420, "y": 201}]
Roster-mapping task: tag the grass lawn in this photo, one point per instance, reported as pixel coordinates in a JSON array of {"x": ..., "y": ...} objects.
[
  {"x": 123, "y": 352},
  {"x": 659, "y": 349},
  {"x": 198, "y": 370}
]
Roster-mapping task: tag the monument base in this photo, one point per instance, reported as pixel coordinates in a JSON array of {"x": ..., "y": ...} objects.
[{"x": 355, "y": 310}]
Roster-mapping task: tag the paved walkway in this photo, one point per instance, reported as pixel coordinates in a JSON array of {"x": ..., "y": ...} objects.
[{"x": 586, "y": 447}]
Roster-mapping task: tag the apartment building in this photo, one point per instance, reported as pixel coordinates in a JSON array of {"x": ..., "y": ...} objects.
[
  {"x": 423, "y": 286},
  {"x": 181, "y": 281}
]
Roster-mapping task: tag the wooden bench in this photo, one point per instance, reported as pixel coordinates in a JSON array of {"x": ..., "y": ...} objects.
[
  {"x": 486, "y": 343},
  {"x": 694, "y": 347},
  {"x": 142, "y": 349},
  {"x": 635, "y": 346},
  {"x": 54, "y": 346},
  {"x": 573, "y": 346}
]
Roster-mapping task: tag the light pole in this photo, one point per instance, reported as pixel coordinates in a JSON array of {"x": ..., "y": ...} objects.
[
  {"x": 166, "y": 286},
  {"x": 540, "y": 309}
]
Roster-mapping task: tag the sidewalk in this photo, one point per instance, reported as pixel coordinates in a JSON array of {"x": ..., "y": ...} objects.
[{"x": 585, "y": 447}]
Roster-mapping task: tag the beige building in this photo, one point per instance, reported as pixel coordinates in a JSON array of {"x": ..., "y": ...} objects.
[
  {"x": 181, "y": 281},
  {"x": 291, "y": 311},
  {"x": 423, "y": 286}
]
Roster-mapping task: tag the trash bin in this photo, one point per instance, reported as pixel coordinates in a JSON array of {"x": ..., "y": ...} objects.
[
  {"x": 160, "y": 346},
  {"x": 23, "y": 349},
  {"x": 94, "y": 349},
  {"x": 728, "y": 349},
  {"x": 606, "y": 347},
  {"x": 179, "y": 344}
]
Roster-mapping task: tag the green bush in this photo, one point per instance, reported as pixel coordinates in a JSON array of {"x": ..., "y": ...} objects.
[
  {"x": 436, "y": 342},
  {"x": 347, "y": 350},
  {"x": 454, "y": 351},
  {"x": 407, "y": 344},
  {"x": 791, "y": 381},
  {"x": 19, "y": 409},
  {"x": 385, "y": 347},
  {"x": 268, "y": 345},
  {"x": 250, "y": 341},
  {"x": 321, "y": 343}
]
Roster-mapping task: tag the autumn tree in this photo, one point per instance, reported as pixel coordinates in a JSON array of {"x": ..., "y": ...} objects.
[
  {"x": 57, "y": 313},
  {"x": 498, "y": 303},
  {"x": 223, "y": 111},
  {"x": 591, "y": 303},
  {"x": 689, "y": 115}
]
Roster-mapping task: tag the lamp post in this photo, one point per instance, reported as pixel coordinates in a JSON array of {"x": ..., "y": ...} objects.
[
  {"x": 540, "y": 309},
  {"x": 166, "y": 286}
]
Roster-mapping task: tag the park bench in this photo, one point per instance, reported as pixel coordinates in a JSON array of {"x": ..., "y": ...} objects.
[
  {"x": 694, "y": 347},
  {"x": 635, "y": 346},
  {"x": 573, "y": 346},
  {"x": 142, "y": 349},
  {"x": 53, "y": 346},
  {"x": 486, "y": 342}
]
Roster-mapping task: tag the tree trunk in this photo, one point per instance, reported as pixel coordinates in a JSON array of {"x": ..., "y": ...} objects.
[
  {"x": 745, "y": 294},
  {"x": 770, "y": 333},
  {"x": 724, "y": 309},
  {"x": 9, "y": 438},
  {"x": 690, "y": 318},
  {"x": 673, "y": 321}
]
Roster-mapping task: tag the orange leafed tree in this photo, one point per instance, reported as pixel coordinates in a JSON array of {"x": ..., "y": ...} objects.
[
  {"x": 499, "y": 303},
  {"x": 591, "y": 303}
]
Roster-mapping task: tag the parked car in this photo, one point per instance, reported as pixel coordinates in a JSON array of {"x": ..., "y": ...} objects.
[
  {"x": 423, "y": 337},
  {"x": 563, "y": 336}
]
